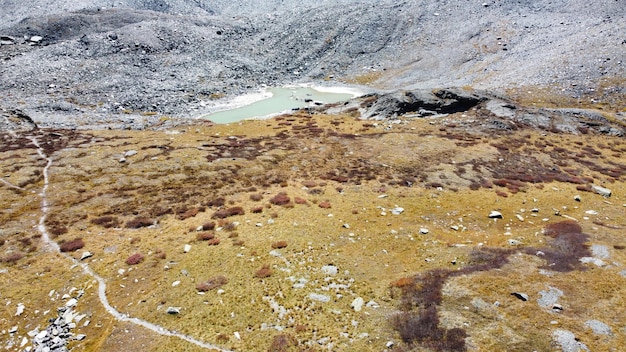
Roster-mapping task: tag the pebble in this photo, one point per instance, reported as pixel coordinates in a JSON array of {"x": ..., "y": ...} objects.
[
  {"x": 424, "y": 231},
  {"x": 397, "y": 211},
  {"x": 187, "y": 248},
  {"x": 605, "y": 192},
  {"x": 20, "y": 309},
  {"x": 330, "y": 270},
  {"x": 357, "y": 304},
  {"x": 519, "y": 217},
  {"x": 319, "y": 297},
  {"x": 175, "y": 283},
  {"x": 173, "y": 310},
  {"x": 71, "y": 303},
  {"x": 130, "y": 153},
  {"x": 520, "y": 295},
  {"x": 495, "y": 215},
  {"x": 86, "y": 255}
]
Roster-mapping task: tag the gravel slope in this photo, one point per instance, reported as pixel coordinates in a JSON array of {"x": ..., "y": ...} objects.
[{"x": 108, "y": 63}]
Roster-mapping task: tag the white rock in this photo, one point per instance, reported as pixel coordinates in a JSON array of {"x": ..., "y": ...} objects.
[
  {"x": 187, "y": 248},
  {"x": 397, "y": 211},
  {"x": 80, "y": 337},
  {"x": 330, "y": 270},
  {"x": 86, "y": 255},
  {"x": 130, "y": 153},
  {"x": 495, "y": 215},
  {"x": 41, "y": 335},
  {"x": 71, "y": 303},
  {"x": 357, "y": 304},
  {"x": 24, "y": 342},
  {"x": 36, "y": 38},
  {"x": 175, "y": 283},
  {"x": 319, "y": 297},
  {"x": 519, "y": 217},
  {"x": 591, "y": 212},
  {"x": 424, "y": 231},
  {"x": 605, "y": 192},
  {"x": 20, "y": 309},
  {"x": 237, "y": 335},
  {"x": 173, "y": 310},
  {"x": 13, "y": 330}
]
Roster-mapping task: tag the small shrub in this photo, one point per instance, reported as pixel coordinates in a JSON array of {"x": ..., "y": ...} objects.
[
  {"x": 218, "y": 202},
  {"x": 224, "y": 213},
  {"x": 279, "y": 244},
  {"x": 209, "y": 226},
  {"x": 280, "y": 199},
  {"x": 283, "y": 343},
  {"x": 139, "y": 222},
  {"x": 299, "y": 200},
  {"x": 72, "y": 246},
  {"x": 205, "y": 236},
  {"x": 257, "y": 210},
  {"x": 256, "y": 197},
  {"x": 106, "y": 221},
  {"x": 309, "y": 184},
  {"x": 12, "y": 258},
  {"x": 135, "y": 259},
  {"x": 212, "y": 283},
  {"x": 325, "y": 205},
  {"x": 264, "y": 272},
  {"x": 213, "y": 242},
  {"x": 188, "y": 214}
]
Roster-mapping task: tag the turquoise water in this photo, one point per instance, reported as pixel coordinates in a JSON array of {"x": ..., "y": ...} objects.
[{"x": 282, "y": 99}]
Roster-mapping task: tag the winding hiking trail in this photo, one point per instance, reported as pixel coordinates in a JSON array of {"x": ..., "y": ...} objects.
[{"x": 102, "y": 287}]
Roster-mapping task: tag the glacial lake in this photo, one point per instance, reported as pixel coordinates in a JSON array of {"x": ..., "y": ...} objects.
[{"x": 279, "y": 100}]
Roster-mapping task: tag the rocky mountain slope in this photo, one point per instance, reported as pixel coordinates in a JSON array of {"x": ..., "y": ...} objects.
[{"x": 109, "y": 60}]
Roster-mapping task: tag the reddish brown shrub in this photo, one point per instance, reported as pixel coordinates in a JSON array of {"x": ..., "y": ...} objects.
[
  {"x": 139, "y": 222},
  {"x": 563, "y": 227},
  {"x": 264, "y": 272},
  {"x": 257, "y": 210},
  {"x": 72, "y": 246},
  {"x": 224, "y": 213},
  {"x": 309, "y": 184},
  {"x": 205, "y": 236},
  {"x": 135, "y": 259},
  {"x": 280, "y": 199},
  {"x": 279, "y": 244},
  {"x": 283, "y": 343},
  {"x": 106, "y": 221},
  {"x": 213, "y": 242},
  {"x": 219, "y": 202},
  {"x": 188, "y": 214},
  {"x": 325, "y": 205},
  {"x": 12, "y": 258},
  {"x": 2, "y": 242},
  {"x": 208, "y": 226},
  {"x": 256, "y": 197},
  {"x": 212, "y": 283},
  {"x": 299, "y": 200}
]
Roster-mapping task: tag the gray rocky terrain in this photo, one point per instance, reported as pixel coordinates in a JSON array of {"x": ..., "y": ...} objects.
[{"x": 68, "y": 64}]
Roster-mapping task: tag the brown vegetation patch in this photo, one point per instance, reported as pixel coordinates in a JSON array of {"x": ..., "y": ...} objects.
[
  {"x": 279, "y": 244},
  {"x": 264, "y": 272},
  {"x": 135, "y": 259},
  {"x": 106, "y": 221},
  {"x": 139, "y": 222},
  {"x": 212, "y": 283},
  {"x": 71, "y": 246}
]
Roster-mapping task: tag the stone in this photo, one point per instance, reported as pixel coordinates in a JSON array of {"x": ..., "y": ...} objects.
[
  {"x": 187, "y": 248},
  {"x": 424, "y": 231},
  {"x": 319, "y": 297},
  {"x": 520, "y": 295},
  {"x": 605, "y": 192},
  {"x": 549, "y": 297},
  {"x": 598, "y": 327},
  {"x": 130, "y": 153},
  {"x": 357, "y": 304},
  {"x": 397, "y": 211},
  {"x": 86, "y": 255},
  {"x": 568, "y": 341},
  {"x": 20, "y": 309},
  {"x": 173, "y": 310},
  {"x": 71, "y": 303},
  {"x": 495, "y": 215},
  {"x": 330, "y": 270},
  {"x": 36, "y": 38}
]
